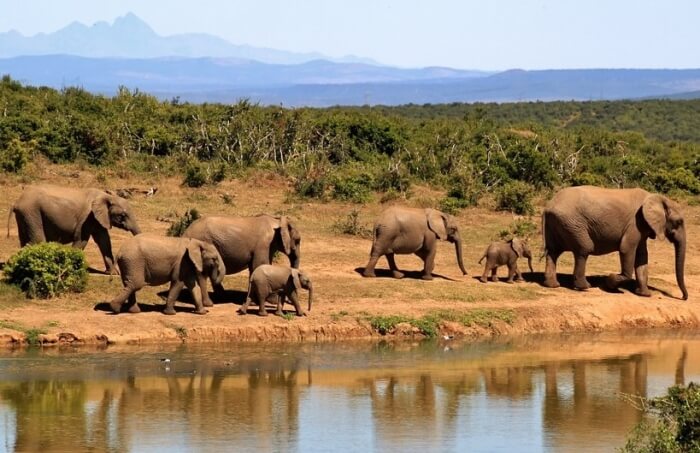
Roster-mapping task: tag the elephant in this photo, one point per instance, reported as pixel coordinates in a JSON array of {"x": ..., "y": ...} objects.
[
  {"x": 270, "y": 279},
  {"x": 589, "y": 220},
  {"x": 412, "y": 230},
  {"x": 72, "y": 216},
  {"x": 153, "y": 260},
  {"x": 500, "y": 253},
  {"x": 247, "y": 242}
]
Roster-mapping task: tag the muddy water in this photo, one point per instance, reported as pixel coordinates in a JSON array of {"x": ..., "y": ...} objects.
[{"x": 535, "y": 394}]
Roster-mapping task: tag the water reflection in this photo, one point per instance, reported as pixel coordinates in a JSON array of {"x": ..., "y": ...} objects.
[{"x": 520, "y": 395}]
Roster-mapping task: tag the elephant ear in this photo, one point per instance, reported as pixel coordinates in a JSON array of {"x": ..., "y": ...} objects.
[
  {"x": 194, "y": 250},
  {"x": 517, "y": 246},
  {"x": 437, "y": 223},
  {"x": 654, "y": 213},
  {"x": 295, "y": 279},
  {"x": 284, "y": 234},
  {"x": 100, "y": 209}
]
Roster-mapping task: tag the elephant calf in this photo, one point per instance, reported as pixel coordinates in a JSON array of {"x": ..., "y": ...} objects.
[
  {"x": 270, "y": 279},
  {"x": 154, "y": 260},
  {"x": 505, "y": 253}
]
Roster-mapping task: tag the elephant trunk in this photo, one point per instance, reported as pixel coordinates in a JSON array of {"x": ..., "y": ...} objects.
[
  {"x": 458, "y": 251},
  {"x": 679, "y": 245},
  {"x": 295, "y": 257},
  {"x": 218, "y": 273},
  {"x": 133, "y": 228},
  {"x": 311, "y": 294}
]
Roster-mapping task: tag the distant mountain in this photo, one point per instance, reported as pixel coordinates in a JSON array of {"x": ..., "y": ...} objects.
[
  {"x": 324, "y": 83},
  {"x": 130, "y": 37}
]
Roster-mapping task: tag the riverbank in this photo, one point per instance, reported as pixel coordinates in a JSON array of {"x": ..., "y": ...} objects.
[{"x": 346, "y": 306}]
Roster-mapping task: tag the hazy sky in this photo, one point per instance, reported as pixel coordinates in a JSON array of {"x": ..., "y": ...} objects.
[{"x": 485, "y": 34}]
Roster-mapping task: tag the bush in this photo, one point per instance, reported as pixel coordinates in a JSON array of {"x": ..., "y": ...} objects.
[
  {"x": 516, "y": 197},
  {"x": 522, "y": 228},
  {"x": 180, "y": 224},
  {"x": 351, "y": 225},
  {"x": 675, "y": 426},
  {"x": 47, "y": 270},
  {"x": 15, "y": 157},
  {"x": 195, "y": 175},
  {"x": 452, "y": 205},
  {"x": 355, "y": 188}
]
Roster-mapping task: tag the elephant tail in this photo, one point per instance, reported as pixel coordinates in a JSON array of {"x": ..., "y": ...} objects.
[
  {"x": 9, "y": 218},
  {"x": 482, "y": 258}
]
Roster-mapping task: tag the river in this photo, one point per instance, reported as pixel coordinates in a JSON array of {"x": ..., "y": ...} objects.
[{"x": 523, "y": 394}]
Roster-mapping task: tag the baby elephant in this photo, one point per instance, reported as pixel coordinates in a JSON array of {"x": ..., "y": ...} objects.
[
  {"x": 500, "y": 253},
  {"x": 268, "y": 280},
  {"x": 153, "y": 260}
]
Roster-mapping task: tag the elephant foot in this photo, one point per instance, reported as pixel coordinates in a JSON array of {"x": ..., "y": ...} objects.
[
  {"x": 551, "y": 283},
  {"x": 483, "y": 279},
  {"x": 135, "y": 309},
  {"x": 203, "y": 311},
  {"x": 519, "y": 280},
  {"x": 242, "y": 311},
  {"x": 427, "y": 277},
  {"x": 368, "y": 273},
  {"x": 262, "y": 312},
  {"x": 509, "y": 281},
  {"x": 494, "y": 279},
  {"x": 169, "y": 311},
  {"x": 397, "y": 274},
  {"x": 208, "y": 303},
  {"x": 112, "y": 271},
  {"x": 116, "y": 307},
  {"x": 279, "y": 313},
  {"x": 644, "y": 292}
]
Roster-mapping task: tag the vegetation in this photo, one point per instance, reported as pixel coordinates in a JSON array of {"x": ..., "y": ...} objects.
[
  {"x": 351, "y": 225},
  {"x": 513, "y": 151},
  {"x": 429, "y": 324},
  {"x": 180, "y": 224},
  {"x": 674, "y": 426},
  {"x": 47, "y": 270}
]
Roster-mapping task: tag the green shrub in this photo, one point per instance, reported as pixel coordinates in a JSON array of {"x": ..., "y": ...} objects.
[
  {"x": 314, "y": 185},
  {"x": 521, "y": 228},
  {"x": 180, "y": 224},
  {"x": 15, "y": 157},
  {"x": 352, "y": 226},
  {"x": 674, "y": 425},
  {"x": 195, "y": 175},
  {"x": 47, "y": 270},
  {"x": 452, "y": 205},
  {"x": 354, "y": 188},
  {"x": 516, "y": 197}
]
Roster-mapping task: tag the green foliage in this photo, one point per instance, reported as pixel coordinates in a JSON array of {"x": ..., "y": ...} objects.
[
  {"x": 429, "y": 325},
  {"x": 195, "y": 175},
  {"x": 180, "y": 224},
  {"x": 521, "y": 228},
  {"x": 352, "y": 225},
  {"x": 675, "y": 423},
  {"x": 15, "y": 156},
  {"x": 452, "y": 205},
  {"x": 47, "y": 270},
  {"x": 516, "y": 197}
]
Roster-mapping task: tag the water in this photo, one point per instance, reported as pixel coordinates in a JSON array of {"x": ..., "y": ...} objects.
[{"x": 531, "y": 394}]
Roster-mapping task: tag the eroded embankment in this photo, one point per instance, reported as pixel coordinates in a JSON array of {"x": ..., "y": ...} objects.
[{"x": 550, "y": 315}]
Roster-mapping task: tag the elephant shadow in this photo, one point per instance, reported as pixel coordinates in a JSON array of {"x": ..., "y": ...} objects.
[
  {"x": 414, "y": 275},
  {"x": 145, "y": 308},
  {"x": 597, "y": 281},
  {"x": 228, "y": 296}
]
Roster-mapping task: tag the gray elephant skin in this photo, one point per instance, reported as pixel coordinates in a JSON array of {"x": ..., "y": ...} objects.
[
  {"x": 268, "y": 280},
  {"x": 588, "y": 220},
  {"x": 150, "y": 260},
  {"x": 505, "y": 253},
  {"x": 401, "y": 230},
  {"x": 248, "y": 242},
  {"x": 72, "y": 216}
]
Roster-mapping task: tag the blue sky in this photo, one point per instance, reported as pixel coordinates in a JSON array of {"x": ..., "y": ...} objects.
[{"x": 492, "y": 35}]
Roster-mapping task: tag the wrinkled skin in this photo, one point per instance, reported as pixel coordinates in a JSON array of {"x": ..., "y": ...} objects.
[
  {"x": 72, "y": 216},
  {"x": 505, "y": 253},
  {"x": 589, "y": 220},
  {"x": 247, "y": 242},
  {"x": 150, "y": 260},
  {"x": 269, "y": 280},
  {"x": 401, "y": 230}
]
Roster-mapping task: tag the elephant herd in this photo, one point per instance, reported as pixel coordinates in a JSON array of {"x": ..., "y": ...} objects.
[{"x": 584, "y": 220}]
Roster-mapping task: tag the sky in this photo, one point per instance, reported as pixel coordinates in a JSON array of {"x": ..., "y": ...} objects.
[{"x": 467, "y": 34}]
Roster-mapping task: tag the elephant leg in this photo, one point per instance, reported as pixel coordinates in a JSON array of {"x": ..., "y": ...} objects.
[
  {"x": 126, "y": 294},
  {"x": 251, "y": 292},
  {"x": 198, "y": 296},
  {"x": 627, "y": 265},
  {"x": 294, "y": 298},
  {"x": 519, "y": 275},
  {"x": 485, "y": 276},
  {"x": 202, "y": 283},
  {"x": 580, "y": 281},
  {"x": 373, "y": 258},
  {"x": 133, "y": 306},
  {"x": 494, "y": 273},
  {"x": 261, "y": 295},
  {"x": 550, "y": 271},
  {"x": 280, "y": 305},
  {"x": 392, "y": 265},
  {"x": 641, "y": 269},
  {"x": 511, "y": 272},
  {"x": 174, "y": 291},
  {"x": 428, "y": 262}
]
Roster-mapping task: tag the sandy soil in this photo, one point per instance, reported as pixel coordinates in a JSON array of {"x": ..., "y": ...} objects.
[{"x": 344, "y": 301}]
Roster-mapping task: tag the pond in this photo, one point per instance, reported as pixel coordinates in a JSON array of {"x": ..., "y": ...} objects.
[{"x": 524, "y": 394}]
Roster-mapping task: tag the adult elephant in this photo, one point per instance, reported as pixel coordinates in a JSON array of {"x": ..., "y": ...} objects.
[
  {"x": 411, "y": 230},
  {"x": 589, "y": 220},
  {"x": 72, "y": 216},
  {"x": 247, "y": 242}
]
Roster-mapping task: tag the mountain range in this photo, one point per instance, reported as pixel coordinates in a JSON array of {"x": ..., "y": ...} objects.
[{"x": 206, "y": 68}]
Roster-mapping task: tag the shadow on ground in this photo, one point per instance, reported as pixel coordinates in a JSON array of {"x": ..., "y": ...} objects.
[{"x": 414, "y": 275}]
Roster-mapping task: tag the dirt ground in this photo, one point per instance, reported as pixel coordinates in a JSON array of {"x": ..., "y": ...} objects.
[{"x": 345, "y": 303}]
